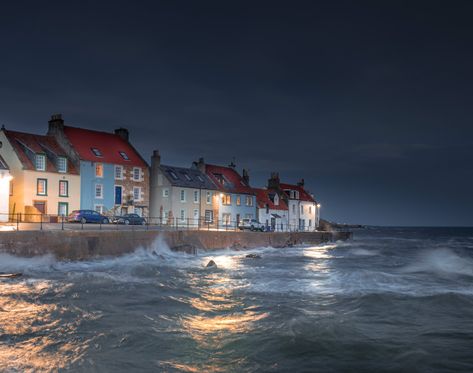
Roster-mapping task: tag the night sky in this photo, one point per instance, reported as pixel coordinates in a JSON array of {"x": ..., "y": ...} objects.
[{"x": 371, "y": 103}]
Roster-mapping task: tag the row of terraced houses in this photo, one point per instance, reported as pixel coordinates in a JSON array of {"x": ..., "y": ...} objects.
[{"x": 71, "y": 168}]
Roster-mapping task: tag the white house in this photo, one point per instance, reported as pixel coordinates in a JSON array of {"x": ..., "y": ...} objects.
[
  {"x": 272, "y": 209},
  {"x": 5, "y": 178}
]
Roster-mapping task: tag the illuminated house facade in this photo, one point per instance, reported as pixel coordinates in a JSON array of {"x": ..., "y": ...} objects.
[
  {"x": 272, "y": 209},
  {"x": 44, "y": 178},
  {"x": 5, "y": 179},
  {"x": 236, "y": 199},
  {"x": 114, "y": 177},
  {"x": 303, "y": 209},
  {"x": 181, "y": 196}
]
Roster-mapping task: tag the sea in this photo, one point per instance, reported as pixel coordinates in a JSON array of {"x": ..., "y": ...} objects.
[{"x": 389, "y": 300}]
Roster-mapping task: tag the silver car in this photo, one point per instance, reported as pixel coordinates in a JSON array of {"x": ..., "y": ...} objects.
[{"x": 251, "y": 224}]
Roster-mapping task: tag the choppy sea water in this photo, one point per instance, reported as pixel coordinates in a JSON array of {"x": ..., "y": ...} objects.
[{"x": 389, "y": 300}]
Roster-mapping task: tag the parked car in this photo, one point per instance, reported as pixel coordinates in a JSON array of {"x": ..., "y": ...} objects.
[
  {"x": 251, "y": 224},
  {"x": 87, "y": 216},
  {"x": 133, "y": 219}
]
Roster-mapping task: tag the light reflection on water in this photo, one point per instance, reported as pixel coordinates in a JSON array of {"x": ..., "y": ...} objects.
[{"x": 33, "y": 335}]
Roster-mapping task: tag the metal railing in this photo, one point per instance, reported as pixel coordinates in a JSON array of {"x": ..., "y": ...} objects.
[{"x": 23, "y": 222}]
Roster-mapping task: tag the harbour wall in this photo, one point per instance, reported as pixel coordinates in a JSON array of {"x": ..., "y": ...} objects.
[{"x": 80, "y": 245}]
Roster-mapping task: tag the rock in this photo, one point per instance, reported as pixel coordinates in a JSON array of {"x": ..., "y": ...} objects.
[
  {"x": 211, "y": 263},
  {"x": 253, "y": 256}
]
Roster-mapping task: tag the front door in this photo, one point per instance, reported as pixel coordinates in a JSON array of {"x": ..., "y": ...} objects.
[
  {"x": 118, "y": 194},
  {"x": 273, "y": 223},
  {"x": 238, "y": 219},
  {"x": 62, "y": 209}
]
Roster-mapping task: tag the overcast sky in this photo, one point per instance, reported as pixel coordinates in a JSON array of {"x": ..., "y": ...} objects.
[{"x": 369, "y": 101}]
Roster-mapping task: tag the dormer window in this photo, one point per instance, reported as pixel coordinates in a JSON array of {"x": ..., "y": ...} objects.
[
  {"x": 124, "y": 156},
  {"x": 276, "y": 200},
  {"x": 62, "y": 164},
  {"x": 96, "y": 152},
  {"x": 40, "y": 162}
]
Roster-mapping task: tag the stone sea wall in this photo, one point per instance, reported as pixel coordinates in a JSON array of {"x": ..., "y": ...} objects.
[{"x": 80, "y": 245}]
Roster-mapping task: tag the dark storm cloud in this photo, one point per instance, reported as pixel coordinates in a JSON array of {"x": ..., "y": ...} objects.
[{"x": 370, "y": 102}]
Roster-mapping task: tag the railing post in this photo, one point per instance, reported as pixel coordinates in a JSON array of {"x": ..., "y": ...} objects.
[
  {"x": 187, "y": 223},
  {"x": 62, "y": 222},
  {"x": 41, "y": 221},
  {"x": 17, "y": 222}
]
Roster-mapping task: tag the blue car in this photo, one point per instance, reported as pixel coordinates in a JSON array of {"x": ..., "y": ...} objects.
[{"x": 87, "y": 216}]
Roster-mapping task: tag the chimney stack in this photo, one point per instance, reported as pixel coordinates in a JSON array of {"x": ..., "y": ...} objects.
[
  {"x": 246, "y": 177},
  {"x": 273, "y": 181},
  {"x": 301, "y": 183},
  {"x": 123, "y": 133},
  {"x": 154, "y": 195},
  {"x": 55, "y": 125},
  {"x": 200, "y": 165}
]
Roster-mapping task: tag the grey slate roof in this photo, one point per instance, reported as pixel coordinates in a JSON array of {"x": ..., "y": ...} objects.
[{"x": 195, "y": 179}]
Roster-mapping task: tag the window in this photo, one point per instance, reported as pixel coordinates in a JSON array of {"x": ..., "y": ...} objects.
[
  {"x": 267, "y": 209},
  {"x": 183, "y": 195},
  {"x": 310, "y": 222},
  {"x": 249, "y": 200},
  {"x": 226, "y": 199},
  {"x": 293, "y": 209},
  {"x": 310, "y": 211},
  {"x": 188, "y": 178},
  {"x": 136, "y": 194},
  {"x": 276, "y": 199},
  {"x": 183, "y": 215},
  {"x": 118, "y": 172},
  {"x": 209, "y": 198},
  {"x": 297, "y": 194},
  {"x": 98, "y": 191},
  {"x": 63, "y": 188},
  {"x": 62, "y": 164},
  {"x": 196, "y": 215},
  {"x": 196, "y": 196},
  {"x": 249, "y": 216},
  {"x": 99, "y": 209},
  {"x": 62, "y": 209},
  {"x": 209, "y": 216},
  {"x": 42, "y": 187},
  {"x": 98, "y": 170},
  {"x": 124, "y": 156},
  {"x": 40, "y": 162},
  {"x": 165, "y": 193},
  {"x": 136, "y": 174},
  {"x": 226, "y": 219},
  {"x": 96, "y": 152},
  {"x": 302, "y": 210},
  {"x": 238, "y": 201}
]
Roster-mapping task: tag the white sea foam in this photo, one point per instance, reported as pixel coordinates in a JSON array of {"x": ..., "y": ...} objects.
[{"x": 441, "y": 262}]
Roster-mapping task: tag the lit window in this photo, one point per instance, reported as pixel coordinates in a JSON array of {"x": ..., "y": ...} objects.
[
  {"x": 238, "y": 201},
  {"x": 209, "y": 197},
  {"x": 249, "y": 201},
  {"x": 196, "y": 196},
  {"x": 165, "y": 192},
  {"x": 96, "y": 152},
  {"x": 40, "y": 162},
  {"x": 226, "y": 199},
  {"x": 183, "y": 195},
  {"x": 41, "y": 187},
  {"x": 63, "y": 188},
  {"x": 62, "y": 164},
  {"x": 98, "y": 191},
  {"x": 136, "y": 173},
  {"x": 226, "y": 219},
  {"x": 124, "y": 156},
  {"x": 136, "y": 193},
  {"x": 98, "y": 170},
  {"x": 118, "y": 172}
]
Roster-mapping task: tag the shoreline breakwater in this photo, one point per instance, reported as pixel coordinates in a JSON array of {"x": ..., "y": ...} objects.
[{"x": 81, "y": 245}]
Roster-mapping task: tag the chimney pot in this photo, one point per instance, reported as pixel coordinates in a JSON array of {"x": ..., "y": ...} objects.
[{"x": 123, "y": 133}]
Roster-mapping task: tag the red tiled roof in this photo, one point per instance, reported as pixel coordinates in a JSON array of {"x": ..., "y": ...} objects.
[
  {"x": 263, "y": 199},
  {"x": 109, "y": 145},
  {"x": 22, "y": 141},
  {"x": 233, "y": 181},
  {"x": 303, "y": 195}
]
